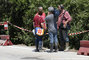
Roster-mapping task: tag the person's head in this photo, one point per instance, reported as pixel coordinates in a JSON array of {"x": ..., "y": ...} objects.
[
  {"x": 50, "y": 10},
  {"x": 40, "y": 10},
  {"x": 60, "y": 7}
]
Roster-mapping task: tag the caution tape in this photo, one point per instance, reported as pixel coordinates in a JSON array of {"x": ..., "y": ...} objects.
[
  {"x": 70, "y": 34},
  {"x": 1, "y": 24},
  {"x": 19, "y": 27}
]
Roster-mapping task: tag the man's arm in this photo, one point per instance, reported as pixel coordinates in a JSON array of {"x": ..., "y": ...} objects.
[
  {"x": 44, "y": 25},
  {"x": 68, "y": 17},
  {"x": 43, "y": 15}
]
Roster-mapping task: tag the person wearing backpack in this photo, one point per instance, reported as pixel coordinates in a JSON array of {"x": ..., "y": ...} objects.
[
  {"x": 39, "y": 26},
  {"x": 63, "y": 24}
]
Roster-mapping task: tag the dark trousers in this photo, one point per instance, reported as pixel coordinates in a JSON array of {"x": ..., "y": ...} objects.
[
  {"x": 38, "y": 42},
  {"x": 63, "y": 38}
]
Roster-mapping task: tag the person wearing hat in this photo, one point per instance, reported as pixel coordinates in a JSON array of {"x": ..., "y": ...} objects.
[{"x": 52, "y": 29}]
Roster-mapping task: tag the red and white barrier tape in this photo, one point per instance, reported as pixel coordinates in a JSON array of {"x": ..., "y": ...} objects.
[
  {"x": 78, "y": 33},
  {"x": 70, "y": 34},
  {"x": 1, "y": 24},
  {"x": 19, "y": 27}
]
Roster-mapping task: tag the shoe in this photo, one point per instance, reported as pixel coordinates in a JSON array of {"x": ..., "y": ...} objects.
[
  {"x": 67, "y": 49},
  {"x": 36, "y": 50},
  {"x": 60, "y": 49},
  {"x": 56, "y": 51},
  {"x": 56, "y": 48},
  {"x": 41, "y": 50},
  {"x": 51, "y": 47}
]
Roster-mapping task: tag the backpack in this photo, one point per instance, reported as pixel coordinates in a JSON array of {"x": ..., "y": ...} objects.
[{"x": 39, "y": 31}]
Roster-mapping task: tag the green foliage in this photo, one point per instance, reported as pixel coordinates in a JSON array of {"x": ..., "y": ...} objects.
[
  {"x": 80, "y": 13},
  {"x": 21, "y": 13}
]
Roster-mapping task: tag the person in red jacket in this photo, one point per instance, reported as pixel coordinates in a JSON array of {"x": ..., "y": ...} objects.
[{"x": 39, "y": 22}]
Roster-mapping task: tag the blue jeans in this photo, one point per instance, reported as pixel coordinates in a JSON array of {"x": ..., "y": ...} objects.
[
  {"x": 63, "y": 34},
  {"x": 53, "y": 37},
  {"x": 38, "y": 42}
]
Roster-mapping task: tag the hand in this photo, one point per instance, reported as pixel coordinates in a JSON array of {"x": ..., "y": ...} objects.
[
  {"x": 45, "y": 28},
  {"x": 65, "y": 22},
  {"x": 48, "y": 13},
  {"x": 64, "y": 25},
  {"x": 56, "y": 22},
  {"x": 57, "y": 27}
]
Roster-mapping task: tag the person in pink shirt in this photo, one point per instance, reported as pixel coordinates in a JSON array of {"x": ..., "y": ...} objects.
[{"x": 63, "y": 24}]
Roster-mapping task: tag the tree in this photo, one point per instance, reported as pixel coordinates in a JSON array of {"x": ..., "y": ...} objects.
[{"x": 21, "y": 13}]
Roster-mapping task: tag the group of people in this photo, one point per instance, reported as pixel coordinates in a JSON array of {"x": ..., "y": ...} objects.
[{"x": 55, "y": 21}]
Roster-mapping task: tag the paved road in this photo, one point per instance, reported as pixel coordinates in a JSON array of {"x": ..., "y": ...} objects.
[{"x": 27, "y": 53}]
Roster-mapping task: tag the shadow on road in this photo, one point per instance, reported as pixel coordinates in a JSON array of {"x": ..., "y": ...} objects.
[{"x": 32, "y": 58}]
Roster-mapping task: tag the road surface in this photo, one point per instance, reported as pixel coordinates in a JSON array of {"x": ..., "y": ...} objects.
[{"x": 27, "y": 53}]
